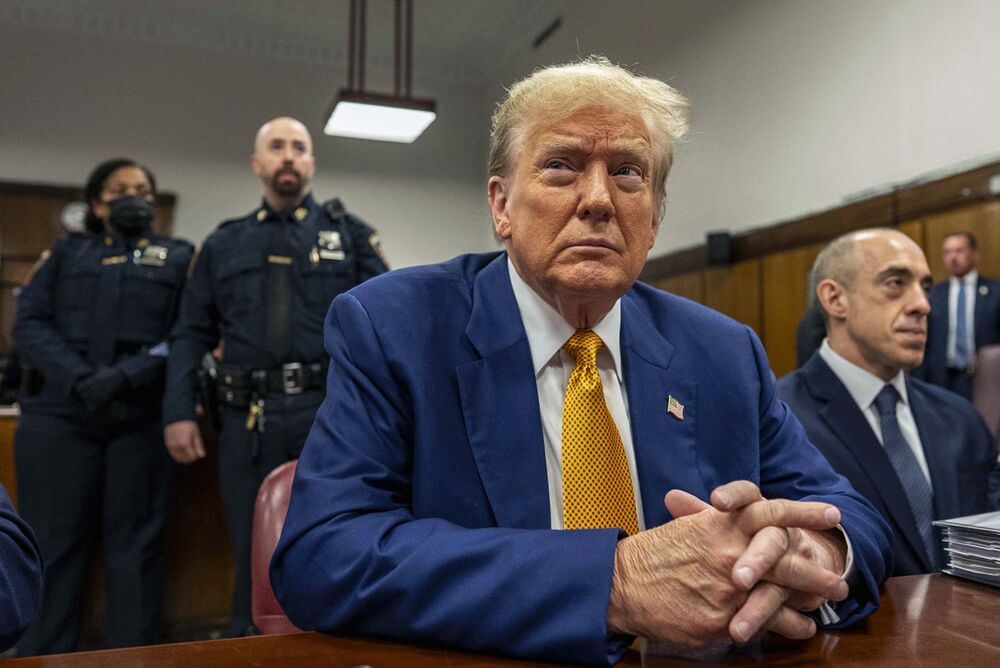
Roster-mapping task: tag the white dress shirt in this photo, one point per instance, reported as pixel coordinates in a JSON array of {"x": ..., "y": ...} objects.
[
  {"x": 547, "y": 332},
  {"x": 863, "y": 387},
  {"x": 967, "y": 283}
]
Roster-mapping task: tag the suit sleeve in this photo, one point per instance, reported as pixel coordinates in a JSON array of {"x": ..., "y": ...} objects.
[
  {"x": 354, "y": 558},
  {"x": 792, "y": 468},
  {"x": 195, "y": 333},
  {"x": 38, "y": 339},
  {"x": 20, "y": 574}
]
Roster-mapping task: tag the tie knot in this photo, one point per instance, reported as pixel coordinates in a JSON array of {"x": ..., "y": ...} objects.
[
  {"x": 886, "y": 400},
  {"x": 583, "y": 347}
]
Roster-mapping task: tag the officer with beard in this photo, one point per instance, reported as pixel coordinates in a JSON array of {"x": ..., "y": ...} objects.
[
  {"x": 262, "y": 285},
  {"x": 92, "y": 324}
]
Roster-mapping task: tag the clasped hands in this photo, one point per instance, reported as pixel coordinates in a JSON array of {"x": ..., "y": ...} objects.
[{"x": 737, "y": 567}]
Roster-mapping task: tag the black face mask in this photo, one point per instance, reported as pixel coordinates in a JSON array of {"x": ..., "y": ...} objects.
[{"x": 130, "y": 216}]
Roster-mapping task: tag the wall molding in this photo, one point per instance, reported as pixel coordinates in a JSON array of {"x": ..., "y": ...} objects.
[{"x": 902, "y": 204}]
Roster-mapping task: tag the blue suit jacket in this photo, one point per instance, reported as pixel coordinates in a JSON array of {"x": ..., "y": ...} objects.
[
  {"x": 20, "y": 574},
  {"x": 961, "y": 453},
  {"x": 420, "y": 505},
  {"x": 934, "y": 368}
]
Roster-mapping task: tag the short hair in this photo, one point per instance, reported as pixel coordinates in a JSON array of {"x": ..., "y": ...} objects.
[
  {"x": 837, "y": 262},
  {"x": 95, "y": 184},
  {"x": 968, "y": 235},
  {"x": 557, "y": 92}
]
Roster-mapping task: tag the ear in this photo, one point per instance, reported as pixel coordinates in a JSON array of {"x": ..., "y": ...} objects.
[
  {"x": 657, "y": 219},
  {"x": 99, "y": 208},
  {"x": 833, "y": 298},
  {"x": 254, "y": 164},
  {"x": 498, "y": 193}
]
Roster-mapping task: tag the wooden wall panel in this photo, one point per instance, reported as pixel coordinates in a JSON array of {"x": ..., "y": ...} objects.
[
  {"x": 690, "y": 285},
  {"x": 982, "y": 219},
  {"x": 735, "y": 291},
  {"x": 915, "y": 230},
  {"x": 8, "y": 476},
  {"x": 785, "y": 280}
]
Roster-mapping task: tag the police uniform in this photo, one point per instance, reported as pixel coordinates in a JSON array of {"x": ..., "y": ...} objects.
[
  {"x": 263, "y": 284},
  {"x": 97, "y": 301}
]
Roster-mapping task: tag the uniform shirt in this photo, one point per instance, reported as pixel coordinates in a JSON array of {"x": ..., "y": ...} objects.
[
  {"x": 863, "y": 387},
  {"x": 226, "y": 296},
  {"x": 547, "y": 331},
  {"x": 967, "y": 283},
  {"x": 122, "y": 292}
]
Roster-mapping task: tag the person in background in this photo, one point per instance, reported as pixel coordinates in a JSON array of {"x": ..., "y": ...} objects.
[
  {"x": 263, "y": 283},
  {"x": 20, "y": 573},
  {"x": 965, "y": 316},
  {"x": 518, "y": 449},
  {"x": 92, "y": 323},
  {"x": 916, "y": 451}
]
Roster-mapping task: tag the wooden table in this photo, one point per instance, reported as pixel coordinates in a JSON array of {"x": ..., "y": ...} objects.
[{"x": 931, "y": 620}]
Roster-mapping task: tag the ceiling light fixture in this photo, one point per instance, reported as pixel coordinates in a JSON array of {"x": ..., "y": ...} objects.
[{"x": 356, "y": 113}]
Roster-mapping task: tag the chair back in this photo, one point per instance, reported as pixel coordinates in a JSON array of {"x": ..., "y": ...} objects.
[
  {"x": 268, "y": 517},
  {"x": 986, "y": 386}
]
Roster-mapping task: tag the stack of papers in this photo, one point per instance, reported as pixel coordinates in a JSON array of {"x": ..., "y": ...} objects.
[{"x": 973, "y": 547}]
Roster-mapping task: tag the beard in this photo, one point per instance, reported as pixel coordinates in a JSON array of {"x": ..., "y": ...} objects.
[{"x": 290, "y": 188}]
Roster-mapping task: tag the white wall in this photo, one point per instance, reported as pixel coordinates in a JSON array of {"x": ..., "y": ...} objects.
[
  {"x": 68, "y": 101},
  {"x": 798, "y": 104}
]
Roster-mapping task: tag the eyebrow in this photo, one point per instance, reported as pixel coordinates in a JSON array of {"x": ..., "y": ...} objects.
[
  {"x": 903, "y": 272},
  {"x": 629, "y": 147}
]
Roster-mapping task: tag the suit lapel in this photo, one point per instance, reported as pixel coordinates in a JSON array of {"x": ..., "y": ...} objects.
[
  {"x": 982, "y": 322},
  {"x": 845, "y": 419},
  {"x": 500, "y": 404},
  {"x": 940, "y": 456},
  {"x": 665, "y": 447}
]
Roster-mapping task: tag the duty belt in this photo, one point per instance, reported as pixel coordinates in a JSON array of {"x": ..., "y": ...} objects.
[{"x": 240, "y": 387}]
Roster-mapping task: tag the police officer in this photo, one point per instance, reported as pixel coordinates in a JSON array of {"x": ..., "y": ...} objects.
[
  {"x": 263, "y": 284},
  {"x": 92, "y": 324}
]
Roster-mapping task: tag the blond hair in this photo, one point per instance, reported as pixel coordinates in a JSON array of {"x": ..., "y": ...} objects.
[{"x": 557, "y": 92}]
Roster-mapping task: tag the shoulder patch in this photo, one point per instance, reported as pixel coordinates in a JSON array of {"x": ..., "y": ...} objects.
[
  {"x": 376, "y": 245},
  {"x": 42, "y": 259}
]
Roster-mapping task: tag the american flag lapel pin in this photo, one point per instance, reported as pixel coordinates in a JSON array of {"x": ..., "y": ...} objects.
[{"x": 675, "y": 407}]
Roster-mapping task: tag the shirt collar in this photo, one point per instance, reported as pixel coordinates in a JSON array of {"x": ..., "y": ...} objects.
[
  {"x": 265, "y": 212},
  {"x": 862, "y": 385},
  {"x": 547, "y": 331},
  {"x": 971, "y": 278}
]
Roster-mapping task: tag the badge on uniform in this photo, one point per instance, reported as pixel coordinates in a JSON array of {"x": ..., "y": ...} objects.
[
  {"x": 330, "y": 248},
  {"x": 153, "y": 256}
]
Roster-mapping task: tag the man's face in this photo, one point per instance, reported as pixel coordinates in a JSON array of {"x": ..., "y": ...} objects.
[
  {"x": 576, "y": 211},
  {"x": 886, "y": 306},
  {"x": 958, "y": 255},
  {"x": 283, "y": 159}
]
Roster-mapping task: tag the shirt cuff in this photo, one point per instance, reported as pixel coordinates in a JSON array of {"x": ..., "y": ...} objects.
[{"x": 827, "y": 612}]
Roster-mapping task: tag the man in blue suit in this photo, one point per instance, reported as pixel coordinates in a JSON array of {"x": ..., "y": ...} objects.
[
  {"x": 478, "y": 406},
  {"x": 916, "y": 451},
  {"x": 965, "y": 316},
  {"x": 20, "y": 574}
]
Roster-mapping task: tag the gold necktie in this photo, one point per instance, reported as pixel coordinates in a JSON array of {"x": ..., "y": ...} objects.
[{"x": 597, "y": 487}]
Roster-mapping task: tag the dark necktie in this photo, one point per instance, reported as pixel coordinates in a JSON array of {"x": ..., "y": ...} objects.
[
  {"x": 961, "y": 329},
  {"x": 911, "y": 477},
  {"x": 280, "y": 262}
]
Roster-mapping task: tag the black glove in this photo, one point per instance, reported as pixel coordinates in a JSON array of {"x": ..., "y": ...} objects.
[{"x": 100, "y": 387}]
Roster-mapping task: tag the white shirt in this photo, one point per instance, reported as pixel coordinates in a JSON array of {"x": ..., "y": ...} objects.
[
  {"x": 547, "y": 332},
  {"x": 967, "y": 283},
  {"x": 863, "y": 387}
]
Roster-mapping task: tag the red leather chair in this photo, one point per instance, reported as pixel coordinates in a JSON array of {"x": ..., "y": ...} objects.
[
  {"x": 986, "y": 386},
  {"x": 268, "y": 516}
]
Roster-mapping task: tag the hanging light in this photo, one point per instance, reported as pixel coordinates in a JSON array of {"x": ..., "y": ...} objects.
[{"x": 356, "y": 113}]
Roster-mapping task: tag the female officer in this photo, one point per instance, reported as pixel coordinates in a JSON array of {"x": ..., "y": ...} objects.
[{"x": 92, "y": 323}]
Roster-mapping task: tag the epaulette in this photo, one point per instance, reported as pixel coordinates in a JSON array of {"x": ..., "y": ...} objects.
[{"x": 230, "y": 221}]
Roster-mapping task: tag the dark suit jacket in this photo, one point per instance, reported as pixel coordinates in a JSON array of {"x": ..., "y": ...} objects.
[
  {"x": 420, "y": 507},
  {"x": 987, "y": 323},
  {"x": 20, "y": 574},
  {"x": 961, "y": 453}
]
